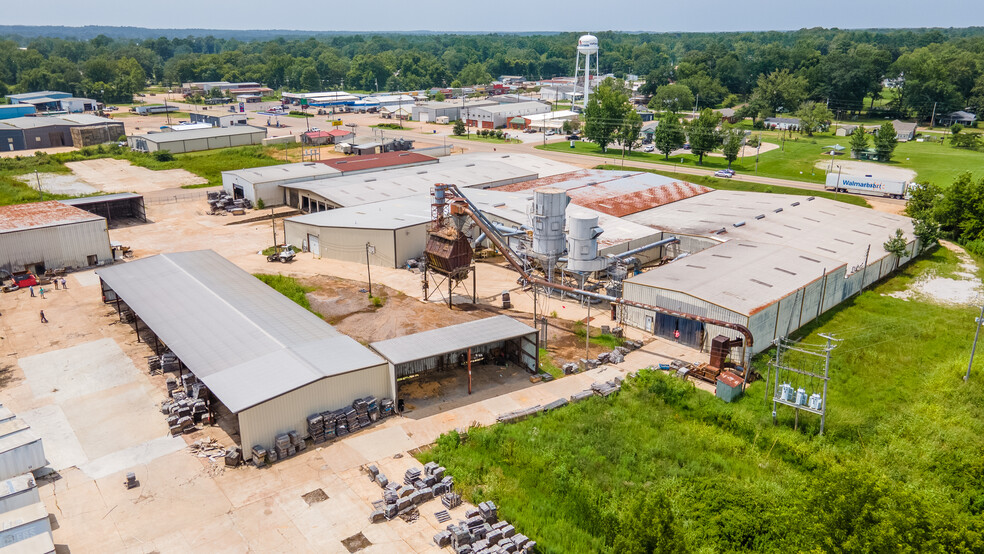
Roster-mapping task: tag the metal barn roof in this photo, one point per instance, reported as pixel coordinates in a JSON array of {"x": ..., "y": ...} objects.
[
  {"x": 738, "y": 275},
  {"x": 388, "y": 214},
  {"x": 19, "y": 217},
  {"x": 616, "y": 193},
  {"x": 86, "y": 200},
  {"x": 246, "y": 341},
  {"x": 356, "y": 190},
  {"x": 201, "y": 133},
  {"x": 542, "y": 167},
  {"x": 818, "y": 227},
  {"x": 283, "y": 172},
  {"x": 455, "y": 338}
]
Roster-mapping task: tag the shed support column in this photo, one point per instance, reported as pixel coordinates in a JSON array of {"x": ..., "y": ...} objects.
[
  {"x": 469, "y": 370},
  {"x": 474, "y": 285}
]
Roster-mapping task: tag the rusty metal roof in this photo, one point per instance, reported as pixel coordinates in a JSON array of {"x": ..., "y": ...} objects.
[
  {"x": 615, "y": 193},
  {"x": 730, "y": 379},
  {"x": 19, "y": 217},
  {"x": 377, "y": 161}
]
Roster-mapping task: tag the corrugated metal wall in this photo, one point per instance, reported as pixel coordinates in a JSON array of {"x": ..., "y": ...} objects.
[
  {"x": 61, "y": 246},
  {"x": 289, "y": 412},
  {"x": 349, "y": 244},
  {"x": 680, "y": 302},
  {"x": 410, "y": 243}
]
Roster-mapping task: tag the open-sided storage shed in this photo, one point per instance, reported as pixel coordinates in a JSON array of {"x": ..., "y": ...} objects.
[
  {"x": 440, "y": 348},
  {"x": 268, "y": 360}
]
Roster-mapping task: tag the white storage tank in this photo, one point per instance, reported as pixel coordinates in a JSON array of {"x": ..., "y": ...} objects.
[
  {"x": 801, "y": 396},
  {"x": 786, "y": 392},
  {"x": 582, "y": 244},
  {"x": 549, "y": 211},
  {"x": 816, "y": 401}
]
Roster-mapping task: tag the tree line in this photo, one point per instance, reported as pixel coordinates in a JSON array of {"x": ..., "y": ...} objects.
[{"x": 843, "y": 69}]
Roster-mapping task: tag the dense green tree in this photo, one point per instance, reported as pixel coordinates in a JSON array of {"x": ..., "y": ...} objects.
[
  {"x": 813, "y": 117},
  {"x": 707, "y": 90},
  {"x": 459, "y": 128},
  {"x": 628, "y": 130},
  {"x": 703, "y": 134},
  {"x": 647, "y": 526},
  {"x": 859, "y": 141},
  {"x": 897, "y": 246},
  {"x": 886, "y": 141},
  {"x": 607, "y": 108},
  {"x": 474, "y": 74},
  {"x": 733, "y": 141},
  {"x": 674, "y": 98},
  {"x": 668, "y": 134}
]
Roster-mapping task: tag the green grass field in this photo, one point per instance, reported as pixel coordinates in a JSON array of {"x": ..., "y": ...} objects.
[
  {"x": 899, "y": 468},
  {"x": 796, "y": 160},
  {"x": 208, "y": 164}
]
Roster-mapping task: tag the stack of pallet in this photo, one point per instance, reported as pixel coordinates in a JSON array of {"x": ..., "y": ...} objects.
[
  {"x": 282, "y": 446},
  {"x": 418, "y": 487},
  {"x": 259, "y": 456},
  {"x": 170, "y": 362},
  {"x": 316, "y": 428},
  {"x": 386, "y": 407},
  {"x": 361, "y": 408},
  {"x": 153, "y": 364}
]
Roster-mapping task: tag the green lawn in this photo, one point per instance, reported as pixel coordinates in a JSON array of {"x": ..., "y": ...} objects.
[
  {"x": 899, "y": 468},
  {"x": 730, "y": 184},
  {"x": 477, "y": 138},
  {"x": 798, "y": 155}
]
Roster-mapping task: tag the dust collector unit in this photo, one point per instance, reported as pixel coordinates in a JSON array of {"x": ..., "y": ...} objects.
[
  {"x": 448, "y": 251},
  {"x": 582, "y": 244},
  {"x": 549, "y": 211}
]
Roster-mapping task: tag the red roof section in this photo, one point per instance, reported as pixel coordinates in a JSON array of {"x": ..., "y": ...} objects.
[
  {"x": 376, "y": 161},
  {"x": 730, "y": 379},
  {"x": 608, "y": 196},
  {"x": 339, "y": 132},
  {"x": 40, "y": 214},
  {"x": 317, "y": 134}
]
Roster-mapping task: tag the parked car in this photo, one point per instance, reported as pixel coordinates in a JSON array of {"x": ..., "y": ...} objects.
[
  {"x": 551, "y": 133},
  {"x": 648, "y": 148},
  {"x": 573, "y": 136},
  {"x": 686, "y": 146},
  {"x": 725, "y": 173},
  {"x": 25, "y": 280}
]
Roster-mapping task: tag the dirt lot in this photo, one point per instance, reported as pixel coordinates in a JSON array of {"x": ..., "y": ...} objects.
[{"x": 110, "y": 175}]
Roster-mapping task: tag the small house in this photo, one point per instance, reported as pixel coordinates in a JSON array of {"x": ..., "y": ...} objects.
[
  {"x": 728, "y": 386},
  {"x": 904, "y": 131}
]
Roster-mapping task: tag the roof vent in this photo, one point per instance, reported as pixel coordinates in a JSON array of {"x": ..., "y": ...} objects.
[
  {"x": 370, "y": 179},
  {"x": 421, "y": 172},
  {"x": 499, "y": 205},
  {"x": 309, "y": 164},
  {"x": 720, "y": 231},
  {"x": 795, "y": 204},
  {"x": 810, "y": 199},
  {"x": 469, "y": 165},
  {"x": 777, "y": 210},
  {"x": 739, "y": 224},
  {"x": 760, "y": 216}
]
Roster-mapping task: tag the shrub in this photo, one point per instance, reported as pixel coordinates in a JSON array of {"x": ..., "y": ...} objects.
[
  {"x": 377, "y": 301},
  {"x": 260, "y": 204},
  {"x": 160, "y": 155}
]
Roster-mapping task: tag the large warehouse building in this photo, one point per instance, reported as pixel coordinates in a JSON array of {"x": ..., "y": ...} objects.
[
  {"x": 51, "y": 235},
  {"x": 78, "y": 130},
  {"x": 177, "y": 142},
  {"x": 270, "y": 183},
  {"x": 771, "y": 262},
  {"x": 266, "y": 359}
]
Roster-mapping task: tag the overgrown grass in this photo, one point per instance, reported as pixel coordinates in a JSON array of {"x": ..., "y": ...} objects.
[
  {"x": 476, "y": 138},
  {"x": 731, "y": 184},
  {"x": 394, "y": 126},
  {"x": 289, "y": 287},
  {"x": 547, "y": 364},
  {"x": 605, "y": 340},
  {"x": 899, "y": 468}
]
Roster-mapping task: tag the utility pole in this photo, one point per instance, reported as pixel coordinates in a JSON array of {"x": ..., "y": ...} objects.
[
  {"x": 837, "y": 187},
  {"x": 865, "y": 270},
  {"x": 273, "y": 220},
  {"x": 973, "y": 349},
  {"x": 38, "y": 177},
  {"x": 932, "y": 119},
  {"x": 826, "y": 376},
  {"x": 587, "y": 332},
  {"x": 757, "y": 150},
  {"x": 370, "y": 249}
]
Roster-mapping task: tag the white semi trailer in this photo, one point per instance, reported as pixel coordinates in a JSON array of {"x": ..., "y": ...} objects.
[{"x": 866, "y": 184}]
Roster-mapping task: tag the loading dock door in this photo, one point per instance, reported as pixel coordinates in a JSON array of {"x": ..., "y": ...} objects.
[
  {"x": 314, "y": 245},
  {"x": 691, "y": 332},
  {"x": 237, "y": 192}
]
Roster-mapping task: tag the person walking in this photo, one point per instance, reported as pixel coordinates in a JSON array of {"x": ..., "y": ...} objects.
[
  {"x": 55, "y": 281},
  {"x": 41, "y": 290},
  {"x": 676, "y": 334},
  {"x": 64, "y": 284},
  {"x": 32, "y": 291},
  {"x": 43, "y": 319}
]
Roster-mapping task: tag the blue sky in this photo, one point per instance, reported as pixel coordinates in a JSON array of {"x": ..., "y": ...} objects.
[{"x": 501, "y": 15}]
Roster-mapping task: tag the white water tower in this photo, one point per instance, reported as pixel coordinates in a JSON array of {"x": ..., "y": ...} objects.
[{"x": 587, "y": 45}]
